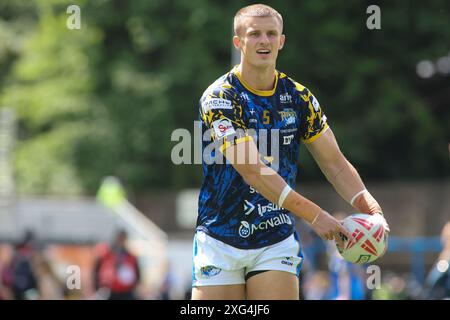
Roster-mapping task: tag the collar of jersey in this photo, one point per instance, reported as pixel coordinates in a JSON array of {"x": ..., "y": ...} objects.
[{"x": 263, "y": 93}]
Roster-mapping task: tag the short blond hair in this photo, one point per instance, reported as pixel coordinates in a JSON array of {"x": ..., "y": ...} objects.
[{"x": 255, "y": 10}]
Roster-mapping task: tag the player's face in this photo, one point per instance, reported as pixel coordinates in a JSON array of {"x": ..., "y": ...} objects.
[{"x": 259, "y": 40}]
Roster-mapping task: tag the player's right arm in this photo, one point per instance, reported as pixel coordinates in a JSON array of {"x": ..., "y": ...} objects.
[{"x": 245, "y": 158}]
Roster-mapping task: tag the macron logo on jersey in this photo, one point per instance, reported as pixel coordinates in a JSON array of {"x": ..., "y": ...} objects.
[
  {"x": 216, "y": 103},
  {"x": 223, "y": 127}
]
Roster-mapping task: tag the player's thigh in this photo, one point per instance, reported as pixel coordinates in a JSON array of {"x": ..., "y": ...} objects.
[
  {"x": 223, "y": 292},
  {"x": 273, "y": 285}
]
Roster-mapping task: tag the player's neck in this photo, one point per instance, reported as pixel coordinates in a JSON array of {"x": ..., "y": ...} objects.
[{"x": 258, "y": 78}]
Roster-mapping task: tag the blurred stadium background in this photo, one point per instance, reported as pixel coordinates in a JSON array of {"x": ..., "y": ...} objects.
[{"x": 86, "y": 117}]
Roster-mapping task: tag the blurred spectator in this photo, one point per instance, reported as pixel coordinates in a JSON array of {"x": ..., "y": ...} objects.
[
  {"x": 188, "y": 291},
  {"x": 117, "y": 271},
  {"x": 164, "y": 291},
  {"x": 50, "y": 286},
  {"x": 438, "y": 281},
  {"x": 317, "y": 285},
  {"x": 413, "y": 288},
  {"x": 393, "y": 287},
  {"x": 312, "y": 247},
  {"x": 347, "y": 280},
  {"x": 5, "y": 259},
  {"x": 19, "y": 276}
]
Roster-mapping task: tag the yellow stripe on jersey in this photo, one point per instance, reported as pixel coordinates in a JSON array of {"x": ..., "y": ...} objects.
[
  {"x": 262, "y": 93},
  {"x": 314, "y": 138},
  {"x": 300, "y": 88},
  {"x": 227, "y": 144}
]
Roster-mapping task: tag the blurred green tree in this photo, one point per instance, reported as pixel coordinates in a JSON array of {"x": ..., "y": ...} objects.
[{"x": 103, "y": 100}]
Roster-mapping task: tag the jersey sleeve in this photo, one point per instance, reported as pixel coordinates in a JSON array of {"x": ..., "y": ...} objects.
[
  {"x": 222, "y": 114},
  {"x": 313, "y": 121}
]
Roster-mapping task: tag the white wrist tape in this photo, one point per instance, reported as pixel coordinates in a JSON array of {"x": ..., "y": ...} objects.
[
  {"x": 357, "y": 195},
  {"x": 283, "y": 195},
  {"x": 315, "y": 219}
]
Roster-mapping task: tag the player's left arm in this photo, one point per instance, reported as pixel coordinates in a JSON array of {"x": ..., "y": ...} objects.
[
  {"x": 321, "y": 143},
  {"x": 341, "y": 173}
]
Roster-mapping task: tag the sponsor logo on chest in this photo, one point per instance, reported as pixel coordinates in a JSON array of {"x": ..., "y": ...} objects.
[
  {"x": 223, "y": 127},
  {"x": 245, "y": 97},
  {"x": 216, "y": 103},
  {"x": 246, "y": 229},
  {"x": 285, "y": 98}
]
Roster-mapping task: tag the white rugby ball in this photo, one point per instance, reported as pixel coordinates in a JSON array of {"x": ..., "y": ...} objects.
[{"x": 370, "y": 238}]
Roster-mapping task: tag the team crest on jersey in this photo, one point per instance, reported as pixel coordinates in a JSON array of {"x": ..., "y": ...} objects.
[
  {"x": 288, "y": 116},
  {"x": 223, "y": 127}
]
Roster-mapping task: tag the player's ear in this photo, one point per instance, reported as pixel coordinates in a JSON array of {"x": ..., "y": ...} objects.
[
  {"x": 282, "y": 40},
  {"x": 237, "y": 42}
]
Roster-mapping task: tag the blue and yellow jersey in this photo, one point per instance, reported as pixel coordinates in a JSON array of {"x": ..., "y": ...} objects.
[{"x": 278, "y": 121}]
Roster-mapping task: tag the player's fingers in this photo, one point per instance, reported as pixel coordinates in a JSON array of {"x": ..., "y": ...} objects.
[
  {"x": 345, "y": 232},
  {"x": 339, "y": 241},
  {"x": 322, "y": 235},
  {"x": 330, "y": 235}
]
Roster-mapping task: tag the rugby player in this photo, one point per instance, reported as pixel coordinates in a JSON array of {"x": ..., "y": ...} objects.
[{"x": 245, "y": 245}]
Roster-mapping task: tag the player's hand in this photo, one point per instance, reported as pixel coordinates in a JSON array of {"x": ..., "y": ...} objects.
[
  {"x": 365, "y": 203},
  {"x": 384, "y": 222},
  {"x": 386, "y": 230},
  {"x": 329, "y": 228}
]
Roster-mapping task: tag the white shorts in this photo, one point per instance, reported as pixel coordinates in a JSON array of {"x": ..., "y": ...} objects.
[{"x": 217, "y": 263}]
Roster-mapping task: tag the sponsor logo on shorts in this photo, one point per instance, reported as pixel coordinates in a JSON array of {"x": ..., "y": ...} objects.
[
  {"x": 246, "y": 229},
  {"x": 288, "y": 261},
  {"x": 209, "y": 271}
]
